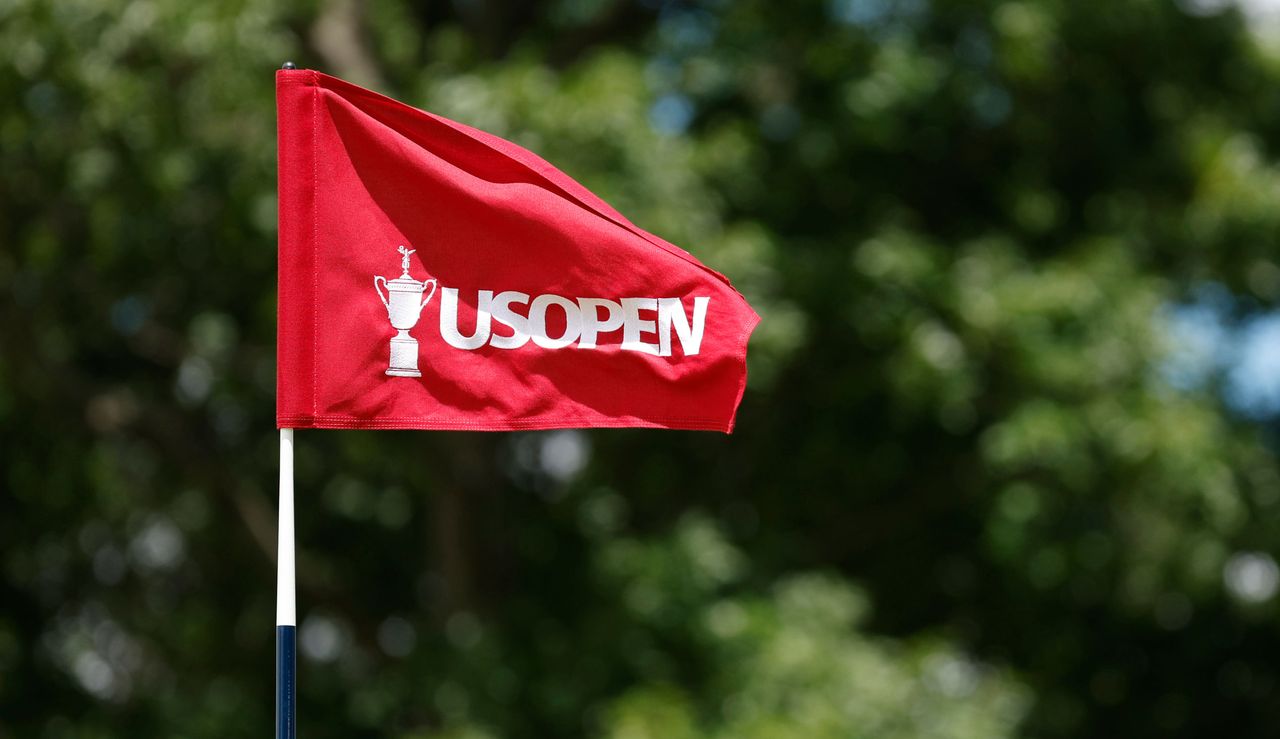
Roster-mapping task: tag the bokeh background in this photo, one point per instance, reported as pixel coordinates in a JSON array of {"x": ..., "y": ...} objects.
[{"x": 1005, "y": 466}]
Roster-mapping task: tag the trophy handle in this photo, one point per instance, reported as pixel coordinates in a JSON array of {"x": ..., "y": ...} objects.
[
  {"x": 376, "y": 279},
  {"x": 428, "y": 298}
]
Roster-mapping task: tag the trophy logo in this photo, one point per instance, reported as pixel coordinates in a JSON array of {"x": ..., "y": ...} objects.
[{"x": 404, "y": 304}]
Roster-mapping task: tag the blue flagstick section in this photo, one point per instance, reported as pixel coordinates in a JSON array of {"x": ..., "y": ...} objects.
[{"x": 286, "y": 682}]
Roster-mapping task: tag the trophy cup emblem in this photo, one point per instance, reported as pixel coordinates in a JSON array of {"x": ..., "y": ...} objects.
[{"x": 404, "y": 303}]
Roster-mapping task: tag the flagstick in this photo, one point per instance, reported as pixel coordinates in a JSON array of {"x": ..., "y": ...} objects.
[
  {"x": 286, "y": 609},
  {"x": 286, "y": 604}
]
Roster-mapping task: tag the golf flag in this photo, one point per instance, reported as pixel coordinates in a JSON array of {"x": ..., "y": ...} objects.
[{"x": 433, "y": 276}]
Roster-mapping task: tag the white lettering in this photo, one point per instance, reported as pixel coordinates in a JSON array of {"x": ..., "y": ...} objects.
[
  {"x": 633, "y": 325},
  {"x": 449, "y": 320},
  {"x": 671, "y": 315},
  {"x": 502, "y": 313},
  {"x": 593, "y": 325},
  {"x": 585, "y": 319},
  {"x": 538, "y": 321}
]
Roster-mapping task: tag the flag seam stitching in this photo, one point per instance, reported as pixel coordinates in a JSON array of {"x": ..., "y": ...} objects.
[
  {"x": 571, "y": 422},
  {"x": 742, "y": 359},
  {"x": 315, "y": 252}
]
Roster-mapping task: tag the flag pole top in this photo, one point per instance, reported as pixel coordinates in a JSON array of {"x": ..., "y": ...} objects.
[{"x": 288, "y": 65}]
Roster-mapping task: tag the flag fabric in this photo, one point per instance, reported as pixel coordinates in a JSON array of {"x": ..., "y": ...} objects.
[{"x": 433, "y": 276}]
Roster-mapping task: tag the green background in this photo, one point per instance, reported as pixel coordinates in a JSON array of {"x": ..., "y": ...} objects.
[{"x": 986, "y": 481}]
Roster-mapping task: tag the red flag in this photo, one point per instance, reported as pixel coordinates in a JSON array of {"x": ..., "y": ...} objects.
[{"x": 433, "y": 276}]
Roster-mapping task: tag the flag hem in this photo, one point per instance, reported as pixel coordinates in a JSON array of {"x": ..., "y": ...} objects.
[
  {"x": 415, "y": 423},
  {"x": 296, "y": 263}
]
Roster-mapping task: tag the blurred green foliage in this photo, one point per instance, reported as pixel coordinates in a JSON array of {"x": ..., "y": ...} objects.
[{"x": 967, "y": 497}]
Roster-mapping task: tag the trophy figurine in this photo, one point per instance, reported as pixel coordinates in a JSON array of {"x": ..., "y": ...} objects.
[{"x": 404, "y": 309}]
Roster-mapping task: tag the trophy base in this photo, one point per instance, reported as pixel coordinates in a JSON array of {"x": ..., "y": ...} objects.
[{"x": 404, "y": 357}]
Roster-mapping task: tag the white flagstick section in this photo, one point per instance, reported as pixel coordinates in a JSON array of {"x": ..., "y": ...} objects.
[{"x": 286, "y": 604}]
